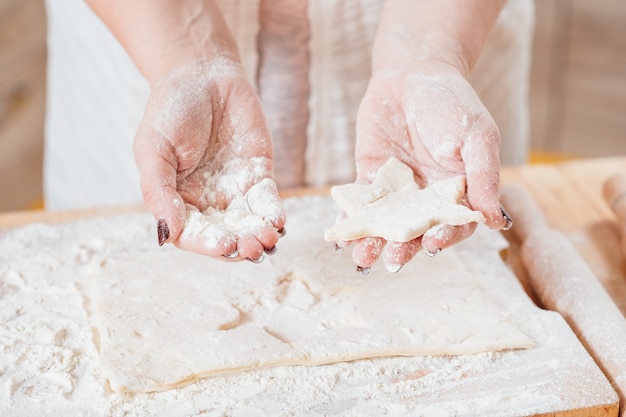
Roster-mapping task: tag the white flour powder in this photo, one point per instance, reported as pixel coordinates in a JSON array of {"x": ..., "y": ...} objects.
[{"x": 49, "y": 354}]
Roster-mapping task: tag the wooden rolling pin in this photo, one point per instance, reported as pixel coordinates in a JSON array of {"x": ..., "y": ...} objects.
[
  {"x": 614, "y": 191},
  {"x": 563, "y": 282}
]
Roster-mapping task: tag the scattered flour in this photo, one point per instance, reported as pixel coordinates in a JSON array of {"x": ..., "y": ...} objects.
[{"x": 49, "y": 363}]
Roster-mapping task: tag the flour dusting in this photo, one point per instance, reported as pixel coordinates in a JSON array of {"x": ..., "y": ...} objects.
[{"x": 49, "y": 363}]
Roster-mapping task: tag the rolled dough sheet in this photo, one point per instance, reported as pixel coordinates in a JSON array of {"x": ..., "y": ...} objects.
[{"x": 165, "y": 317}]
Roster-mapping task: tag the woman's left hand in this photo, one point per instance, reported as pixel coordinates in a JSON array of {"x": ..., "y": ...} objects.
[{"x": 431, "y": 119}]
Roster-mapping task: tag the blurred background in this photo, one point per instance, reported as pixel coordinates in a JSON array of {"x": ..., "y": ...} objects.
[{"x": 578, "y": 88}]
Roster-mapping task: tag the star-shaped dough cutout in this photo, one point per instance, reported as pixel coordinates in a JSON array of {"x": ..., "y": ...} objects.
[{"x": 395, "y": 208}]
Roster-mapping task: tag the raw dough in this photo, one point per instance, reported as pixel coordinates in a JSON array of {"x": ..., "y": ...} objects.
[
  {"x": 166, "y": 317},
  {"x": 395, "y": 208}
]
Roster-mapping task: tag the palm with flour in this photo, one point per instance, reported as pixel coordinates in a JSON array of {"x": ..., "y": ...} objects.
[
  {"x": 433, "y": 121},
  {"x": 202, "y": 143}
]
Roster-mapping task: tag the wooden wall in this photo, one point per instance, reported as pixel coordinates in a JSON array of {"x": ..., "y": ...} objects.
[
  {"x": 578, "y": 80},
  {"x": 22, "y": 101}
]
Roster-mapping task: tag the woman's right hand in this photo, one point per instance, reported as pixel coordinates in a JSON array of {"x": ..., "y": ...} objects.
[{"x": 204, "y": 146}]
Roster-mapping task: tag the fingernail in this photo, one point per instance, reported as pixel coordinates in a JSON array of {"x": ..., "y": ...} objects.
[
  {"x": 281, "y": 232},
  {"x": 432, "y": 253},
  {"x": 257, "y": 260},
  {"x": 337, "y": 248},
  {"x": 393, "y": 268},
  {"x": 163, "y": 232},
  {"x": 232, "y": 255},
  {"x": 362, "y": 270},
  {"x": 507, "y": 217},
  {"x": 271, "y": 250}
]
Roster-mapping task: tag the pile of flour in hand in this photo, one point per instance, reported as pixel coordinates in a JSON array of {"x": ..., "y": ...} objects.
[
  {"x": 233, "y": 208},
  {"x": 50, "y": 360}
]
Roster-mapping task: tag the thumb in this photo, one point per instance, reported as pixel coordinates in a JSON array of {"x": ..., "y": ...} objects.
[{"x": 157, "y": 163}]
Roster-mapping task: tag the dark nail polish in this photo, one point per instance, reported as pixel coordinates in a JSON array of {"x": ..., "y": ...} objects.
[
  {"x": 361, "y": 270},
  {"x": 163, "y": 232},
  {"x": 507, "y": 217},
  {"x": 271, "y": 250},
  {"x": 281, "y": 232}
]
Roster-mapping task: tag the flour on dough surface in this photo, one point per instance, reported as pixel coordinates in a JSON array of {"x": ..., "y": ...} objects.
[
  {"x": 395, "y": 208},
  {"x": 51, "y": 363},
  {"x": 167, "y": 317}
]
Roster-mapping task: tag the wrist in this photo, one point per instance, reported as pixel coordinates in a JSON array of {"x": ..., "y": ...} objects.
[
  {"x": 189, "y": 52},
  {"x": 451, "y": 32},
  {"x": 162, "y": 36},
  {"x": 401, "y": 50}
]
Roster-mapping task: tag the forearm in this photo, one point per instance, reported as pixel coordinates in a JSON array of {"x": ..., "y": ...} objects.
[
  {"x": 162, "y": 35},
  {"x": 451, "y": 31}
]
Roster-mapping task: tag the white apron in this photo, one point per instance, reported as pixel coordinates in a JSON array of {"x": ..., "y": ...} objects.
[{"x": 96, "y": 96}]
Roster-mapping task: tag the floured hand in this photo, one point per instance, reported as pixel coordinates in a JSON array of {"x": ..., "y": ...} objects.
[
  {"x": 432, "y": 120},
  {"x": 205, "y": 158}
]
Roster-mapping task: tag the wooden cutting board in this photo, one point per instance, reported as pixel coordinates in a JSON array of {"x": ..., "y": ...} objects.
[
  {"x": 578, "y": 267},
  {"x": 558, "y": 378}
]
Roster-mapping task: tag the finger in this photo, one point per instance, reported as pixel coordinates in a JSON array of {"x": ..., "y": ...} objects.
[
  {"x": 268, "y": 237},
  {"x": 204, "y": 244},
  {"x": 340, "y": 245},
  {"x": 366, "y": 251},
  {"x": 482, "y": 166},
  {"x": 264, "y": 201},
  {"x": 207, "y": 238},
  {"x": 397, "y": 254},
  {"x": 250, "y": 248},
  {"x": 214, "y": 241},
  {"x": 157, "y": 169},
  {"x": 443, "y": 236}
]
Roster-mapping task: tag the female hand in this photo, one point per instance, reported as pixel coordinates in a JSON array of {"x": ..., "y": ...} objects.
[
  {"x": 204, "y": 154},
  {"x": 430, "y": 118}
]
